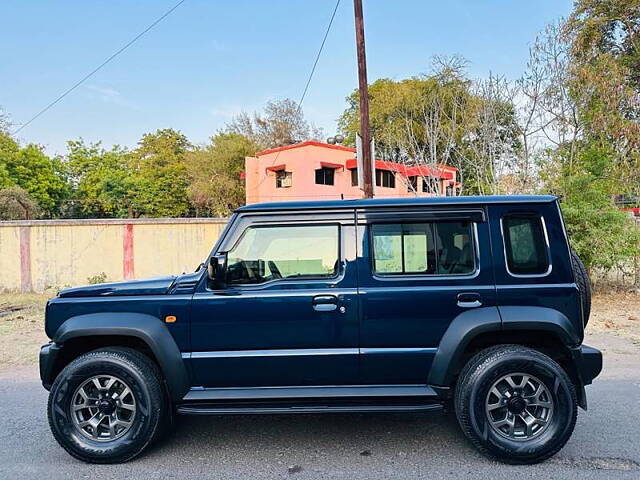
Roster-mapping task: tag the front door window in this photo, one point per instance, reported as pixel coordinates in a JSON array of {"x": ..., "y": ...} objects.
[{"x": 284, "y": 252}]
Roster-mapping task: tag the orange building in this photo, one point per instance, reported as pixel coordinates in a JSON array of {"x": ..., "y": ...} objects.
[{"x": 321, "y": 171}]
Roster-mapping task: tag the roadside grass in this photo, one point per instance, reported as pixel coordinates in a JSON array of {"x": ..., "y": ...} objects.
[{"x": 22, "y": 322}]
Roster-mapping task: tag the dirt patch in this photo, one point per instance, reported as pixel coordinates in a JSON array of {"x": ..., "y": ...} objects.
[
  {"x": 21, "y": 328},
  {"x": 617, "y": 313},
  {"x": 7, "y": 309}
]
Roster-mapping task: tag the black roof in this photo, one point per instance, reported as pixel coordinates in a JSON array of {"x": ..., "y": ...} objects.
[{"x": 398, "y": 202}]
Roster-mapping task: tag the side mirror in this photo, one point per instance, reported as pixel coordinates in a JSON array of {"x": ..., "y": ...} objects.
[{"x": 217, "y": 269}]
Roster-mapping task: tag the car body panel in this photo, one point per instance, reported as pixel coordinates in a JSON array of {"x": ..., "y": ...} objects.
[
  {"x": 270, "y": 334},
  {"x": 555, "y": 289},
  {"x": 151, "y": 286},
  {"x": 110, "y": 308},
  {"x": 395, "y": 332},
  {"x": 412, "y": 312}
]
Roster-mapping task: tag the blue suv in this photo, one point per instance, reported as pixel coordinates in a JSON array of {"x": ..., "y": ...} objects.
[{"x": 475, "y": 304}]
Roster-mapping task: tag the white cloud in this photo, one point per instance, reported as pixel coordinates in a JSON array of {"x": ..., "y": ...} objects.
[
  {"x": 225, "y": 112},
  {"x": 218, "y": 46},
  {"x": 109, "y": 95}
]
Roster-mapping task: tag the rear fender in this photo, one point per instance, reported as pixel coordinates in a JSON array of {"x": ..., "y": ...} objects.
[
  {"x": 543, "y": 319},
  {"x": 472, "y": 323},
  {"x": 462, "y": 330}
]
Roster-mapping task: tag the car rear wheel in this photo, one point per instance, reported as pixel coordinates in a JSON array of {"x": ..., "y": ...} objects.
[
  {"x": 106, "y": 406},
  {"x": 515, "y": 404}
]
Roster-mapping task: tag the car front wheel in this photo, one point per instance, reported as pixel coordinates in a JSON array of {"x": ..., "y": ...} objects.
[
  {"x": 106, "y": 406},
  {"x": 515, "y": 404}
]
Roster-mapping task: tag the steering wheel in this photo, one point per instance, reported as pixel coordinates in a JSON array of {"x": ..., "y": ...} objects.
[{"x": 274, "y": 269}]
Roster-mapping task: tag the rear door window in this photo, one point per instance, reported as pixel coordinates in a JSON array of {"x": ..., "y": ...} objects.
[
  {"x": 434, "y": 248},
  {"x": 525, "y": 244}
]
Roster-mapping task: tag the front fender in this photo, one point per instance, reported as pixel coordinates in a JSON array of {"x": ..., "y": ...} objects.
[{"x": 147, "y": 328}]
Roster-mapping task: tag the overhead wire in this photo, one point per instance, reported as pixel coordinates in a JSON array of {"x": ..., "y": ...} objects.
[
  {"x": 99, "y": 67},
  {"x": 311, "y": 73}
]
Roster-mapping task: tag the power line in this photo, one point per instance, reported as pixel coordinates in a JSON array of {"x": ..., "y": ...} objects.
[
  {"x": 90, "y": 74},
  {"x": 315, "y": 63},
  {"x": 310, "y": 77}
]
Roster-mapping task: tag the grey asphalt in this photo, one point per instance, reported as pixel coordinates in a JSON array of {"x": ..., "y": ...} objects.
[{"x": 605, "y": 443}]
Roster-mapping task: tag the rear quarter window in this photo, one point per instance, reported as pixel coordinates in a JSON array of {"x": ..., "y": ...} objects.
[{"x": 525, "y": 243}]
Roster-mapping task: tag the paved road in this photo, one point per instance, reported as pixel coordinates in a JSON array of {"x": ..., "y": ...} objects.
[{"x": 604, "y": 445}]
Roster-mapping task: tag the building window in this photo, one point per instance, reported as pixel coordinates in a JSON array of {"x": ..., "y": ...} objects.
[
  {"x": 385, "y": 178},
  {"x": 430, "y": 185},
  {"x": 354, "y": 177},
  {"x": 325, "y": 176},
  {"x": 450, "y": 191},
  {"x": 525, "y": 245},
  {"x": 413, "y": 183},
  {"x": 283, "y": 179}
]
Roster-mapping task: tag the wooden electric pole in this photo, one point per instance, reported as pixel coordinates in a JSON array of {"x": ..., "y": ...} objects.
[{"x": 365, "y": 131}]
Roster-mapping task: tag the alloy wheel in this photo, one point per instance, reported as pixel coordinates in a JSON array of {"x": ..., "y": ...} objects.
[
  {"x": 519, "y": 406},
  {"x": 103, "y": 408}
]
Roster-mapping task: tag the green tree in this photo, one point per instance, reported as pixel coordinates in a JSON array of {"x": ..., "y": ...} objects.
[
  {"x": 214, "y": 170},
  {"x": 101, "y": 179},
  {"x": 9, "y": 152},
  {"x": 158, "y": 181},
  {"x": 603, "y": 236},
  {"x": 4, "y": 121},
  {"x": 281, "y": 123},
  {"x": 5, "y": 180},
  {"x": 148, "y": 181},
  {"x": 32, "y": 170},
  {"x": 442, "y": 118},
  {"x": 605, "y": 80},
  {"x": 16, "y": 204},
  {"x": 416, "y": 118}
]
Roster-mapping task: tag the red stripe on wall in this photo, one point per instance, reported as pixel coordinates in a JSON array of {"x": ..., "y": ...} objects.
[
  {"x": 127, "y": 252},
  {"x": 25, "y": 259}
]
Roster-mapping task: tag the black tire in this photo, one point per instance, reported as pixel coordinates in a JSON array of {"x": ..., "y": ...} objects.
[
  {"x": 472, "y": 392},
  {"x": 584, "y": 285},
  {"x": 144, "y": 380}
]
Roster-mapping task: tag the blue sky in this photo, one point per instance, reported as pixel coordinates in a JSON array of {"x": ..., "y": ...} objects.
[{"x": 212, "y": 58}]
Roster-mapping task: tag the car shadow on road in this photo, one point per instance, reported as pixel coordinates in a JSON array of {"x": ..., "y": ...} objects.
[{"x": 335, "y": 435}]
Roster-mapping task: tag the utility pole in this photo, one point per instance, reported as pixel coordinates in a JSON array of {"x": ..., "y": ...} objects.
[{"x": 365, "y": 131}]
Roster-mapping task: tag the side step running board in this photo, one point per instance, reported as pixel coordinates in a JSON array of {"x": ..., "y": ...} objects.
[
  {"x": 203, "y": 409},
  {"x": 329, "y": 391}
]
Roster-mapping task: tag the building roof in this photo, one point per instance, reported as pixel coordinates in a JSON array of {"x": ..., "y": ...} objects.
[
  {"x": 398, "y": 202},
  {"x": 428, "y": 171},
  {"x": 442, "y": 171},
  {"x": 305, "y": 144}
]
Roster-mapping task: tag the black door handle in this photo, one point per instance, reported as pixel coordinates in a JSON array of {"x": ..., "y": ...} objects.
[
  {"x": 325, "y": 303},
  {"x": 469, "y": 300}
]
